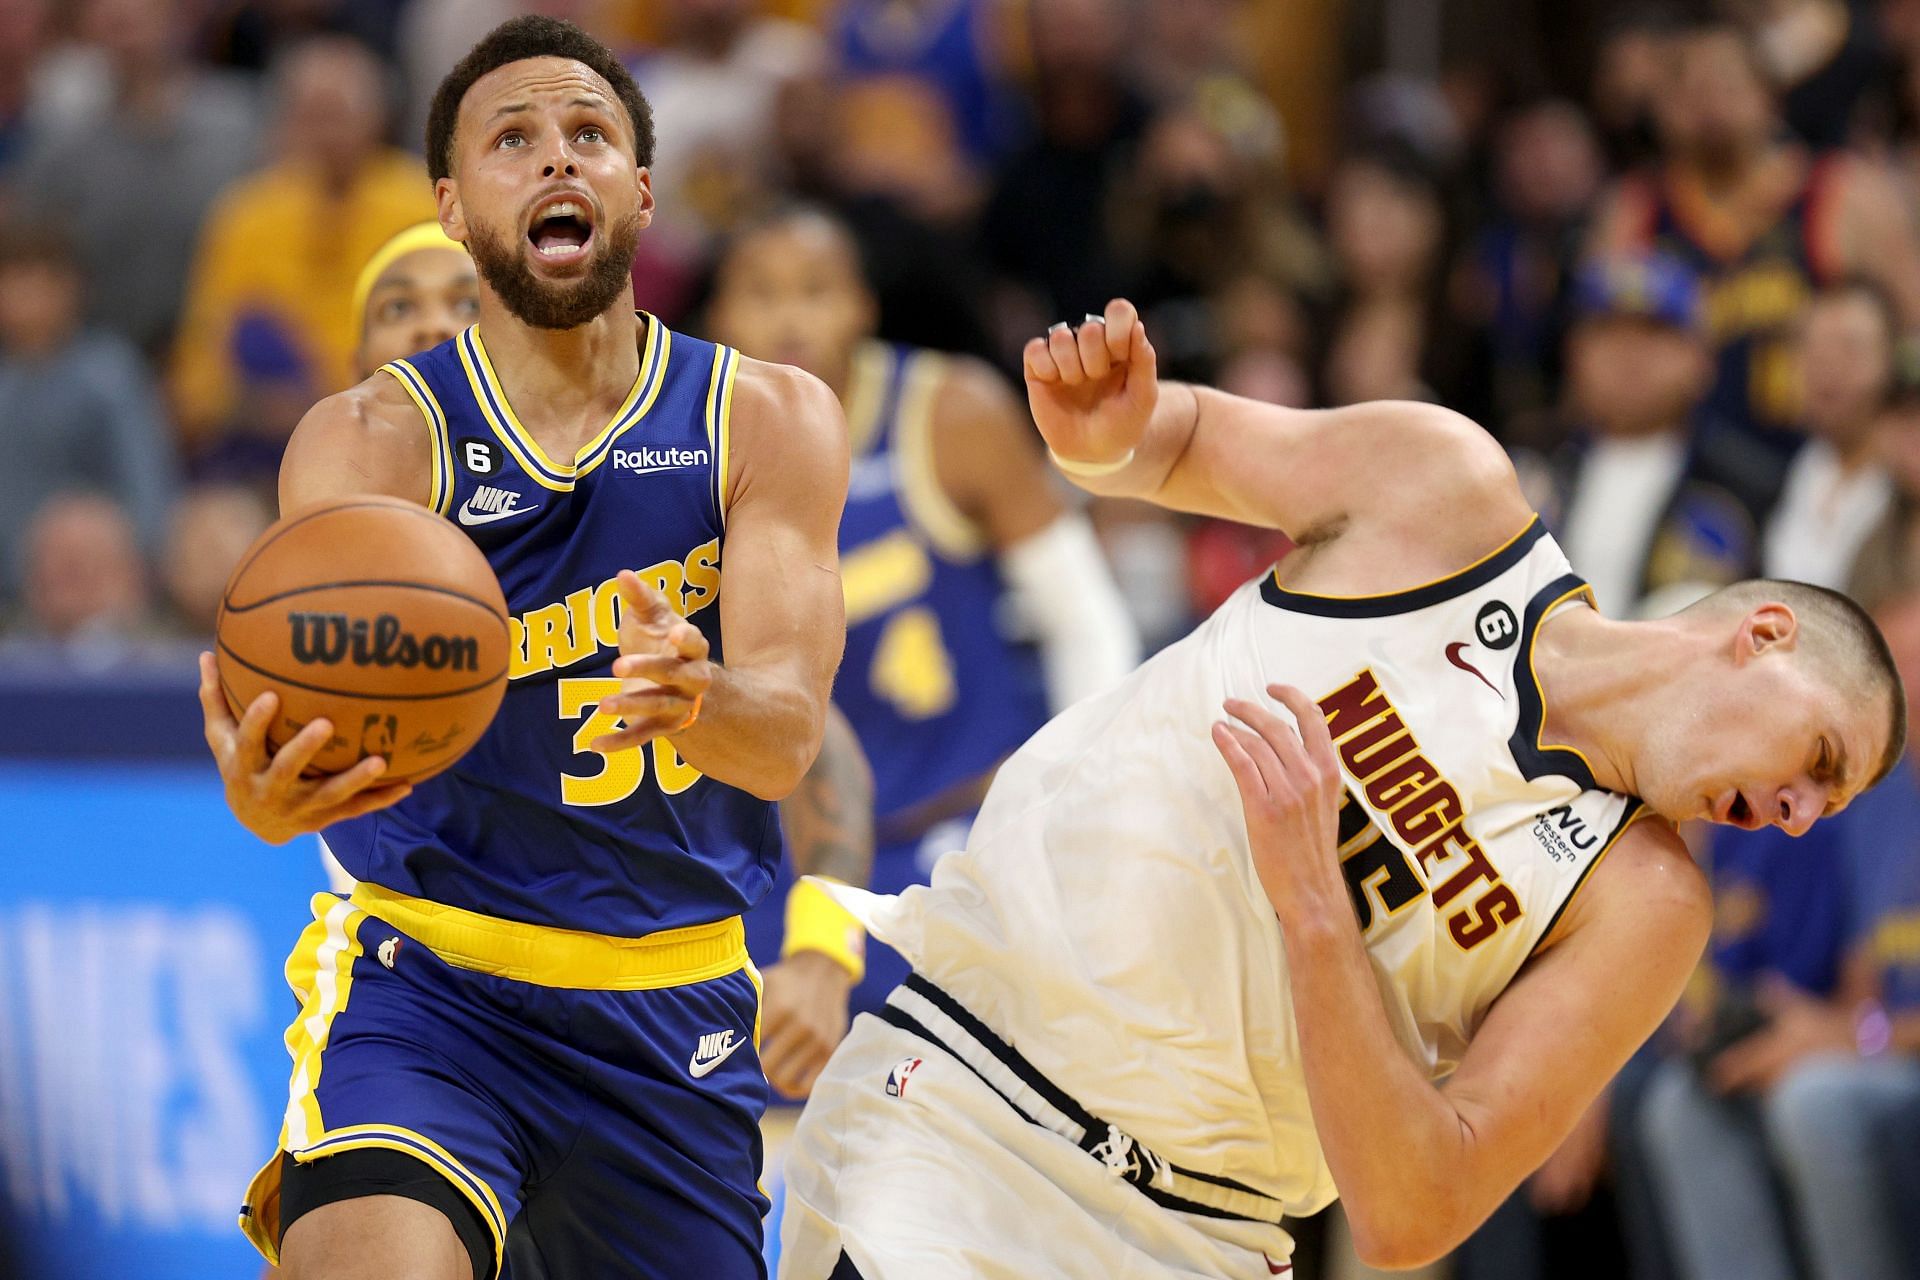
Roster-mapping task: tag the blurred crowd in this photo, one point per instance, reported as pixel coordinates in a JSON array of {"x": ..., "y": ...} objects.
[{"x": 1669, "y": 254}]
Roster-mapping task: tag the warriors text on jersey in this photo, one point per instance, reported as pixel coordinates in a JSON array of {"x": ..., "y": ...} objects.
[
  {"x": 932, "y": 684},
  {"x": 531, "y": 825},
  {"x": 1106, "y": 918}
]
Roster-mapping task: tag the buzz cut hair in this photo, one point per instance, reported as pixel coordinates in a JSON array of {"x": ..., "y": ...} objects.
[
  {"x": 517, "y": 40},
  {"x": 1843, "y": 636}
]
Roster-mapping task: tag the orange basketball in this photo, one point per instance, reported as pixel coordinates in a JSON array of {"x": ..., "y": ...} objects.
[{"x": 378, "y": 615}]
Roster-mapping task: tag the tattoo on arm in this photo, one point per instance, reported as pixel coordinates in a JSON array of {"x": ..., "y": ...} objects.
[{"x": 828, "y": 820}]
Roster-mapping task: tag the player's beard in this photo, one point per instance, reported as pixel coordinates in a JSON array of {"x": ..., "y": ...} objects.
[{"x": 557, "y": 304}]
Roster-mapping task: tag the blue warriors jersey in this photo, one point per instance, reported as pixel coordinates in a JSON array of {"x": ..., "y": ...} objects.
[
  {"x": 932, "y": 683},
  {"x": 531, "y": 825},
  {"x": 1755, "y": 292}
]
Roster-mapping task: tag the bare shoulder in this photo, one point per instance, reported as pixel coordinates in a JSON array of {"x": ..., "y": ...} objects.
[
  {"x": 785, "y": 423},
  {"x": 1390, "y": 493},
  {"x": 980, "y": 427},
  {"x": 970, "y": 387},
  {"x": 781, "y": 400},
  {"x": 370, "y": 438},
  {"x": 1451, "y": 448},
  {"x": 1647, "y": 892}
]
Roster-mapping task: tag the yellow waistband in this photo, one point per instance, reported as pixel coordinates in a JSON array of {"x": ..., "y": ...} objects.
[{"x": 551, "y": 957}]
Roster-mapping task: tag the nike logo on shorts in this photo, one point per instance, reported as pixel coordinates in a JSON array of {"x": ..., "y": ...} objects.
[{"x": 715, "y": 1048}]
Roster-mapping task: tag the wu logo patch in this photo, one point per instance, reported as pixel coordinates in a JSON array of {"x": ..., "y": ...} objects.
[
  {"x": 715, "y": 1047},
  {"x": 897, "y": 1078},
  {"x": 388, "y": 951}
]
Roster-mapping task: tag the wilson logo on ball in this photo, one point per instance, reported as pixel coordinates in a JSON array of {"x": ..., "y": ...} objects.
[{"x": 329, "y": 639}]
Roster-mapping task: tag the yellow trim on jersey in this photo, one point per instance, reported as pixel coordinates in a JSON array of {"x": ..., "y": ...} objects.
[
  {"x": 439, "y": 443},
  {"x": 922, "y": 497},
  {"x": 867, "y": 394},
  {"x": 1444, "y": 578},
  {"x": 552, "y": 957},
  {"x": 1533, "y": 655},
  {"x": 390, "y": 1137},
  {"x": 491, "y": 398},
  {"x": 723, "y": 451},
  {"x": 719, "y": 421}
]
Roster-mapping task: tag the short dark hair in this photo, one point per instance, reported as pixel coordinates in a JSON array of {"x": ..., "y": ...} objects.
[
  {"x": 1848, "y": 634},
  {"x": 516, "y": 40},
  {"x": 787, "y": 212}
]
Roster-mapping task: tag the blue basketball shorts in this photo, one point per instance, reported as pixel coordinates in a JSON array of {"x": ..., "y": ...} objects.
[{"x": 597, "y": 1100}]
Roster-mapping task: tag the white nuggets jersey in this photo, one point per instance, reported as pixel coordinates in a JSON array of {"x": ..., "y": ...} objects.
[{"x": 1106, "y": 920}]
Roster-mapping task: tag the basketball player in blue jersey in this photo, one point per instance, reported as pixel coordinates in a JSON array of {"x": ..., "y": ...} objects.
[
  {"x": 535, "y": 1015},
  {"x": 952, "y": 516},
  {"x": 419, "y": 290}
]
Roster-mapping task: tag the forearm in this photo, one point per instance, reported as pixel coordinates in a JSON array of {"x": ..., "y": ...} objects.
[
  {"x": 1397, "y": 1148},
  {"x": 758, "y": 729},
  {"x": 828, "y": 820}
]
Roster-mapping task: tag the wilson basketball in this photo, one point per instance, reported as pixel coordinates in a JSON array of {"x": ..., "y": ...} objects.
[{"x": 378, "y": 615}]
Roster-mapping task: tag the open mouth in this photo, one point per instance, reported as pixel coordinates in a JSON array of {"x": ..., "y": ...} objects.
[{"x": 561, "y": 230}]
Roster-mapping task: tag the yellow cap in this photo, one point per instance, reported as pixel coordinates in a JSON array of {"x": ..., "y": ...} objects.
[{"x": 422, "y": 235}]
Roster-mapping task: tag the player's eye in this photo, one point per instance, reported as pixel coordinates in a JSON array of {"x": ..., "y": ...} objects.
[
  {"x": 467, "y": 308},
  {"x": 591, "y": 134},
  {"x": 394, "y": 309},
  {"x": 511, "y": 138}
]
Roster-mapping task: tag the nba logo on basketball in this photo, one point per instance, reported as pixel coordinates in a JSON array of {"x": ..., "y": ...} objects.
[{"x": 897, "y": 1078}]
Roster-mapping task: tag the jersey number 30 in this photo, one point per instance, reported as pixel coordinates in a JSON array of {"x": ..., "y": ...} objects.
[{"x": 621, "y": 773}]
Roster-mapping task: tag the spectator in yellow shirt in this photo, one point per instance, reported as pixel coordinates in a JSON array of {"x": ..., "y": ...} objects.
[{"x": 268, "y": 326}]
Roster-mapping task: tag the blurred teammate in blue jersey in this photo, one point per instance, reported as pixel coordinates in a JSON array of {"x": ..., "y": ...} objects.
[
  {"x": 977, "y": 602},
  {"x": 530, "y": 1030}
]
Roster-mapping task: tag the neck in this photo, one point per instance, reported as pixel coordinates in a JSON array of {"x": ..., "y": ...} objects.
[
  {"x": 561, "y": 379},
  {"x": 1854, "y": 446},
  {"x": 838, "y": 375},
  {"x": 1608, "y": 687}
]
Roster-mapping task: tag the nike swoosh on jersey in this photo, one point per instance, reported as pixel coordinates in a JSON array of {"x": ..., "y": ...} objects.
[
  {"x": 1453, "y": 656},
  {"x": 697, "y": 1068},
  {"x": 470, "y": 517}
]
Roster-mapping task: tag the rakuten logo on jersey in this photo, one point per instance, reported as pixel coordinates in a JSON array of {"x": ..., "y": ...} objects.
[{"x": 645, "y": 461}]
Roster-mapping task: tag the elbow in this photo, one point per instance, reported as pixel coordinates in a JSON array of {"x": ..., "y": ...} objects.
[
  {"x": 780, "y": 775},
  {"x": 1398, "y": 1245}
]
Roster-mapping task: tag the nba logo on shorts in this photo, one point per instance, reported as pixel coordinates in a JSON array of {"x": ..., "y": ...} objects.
[{"x": 897, "y": 1078}]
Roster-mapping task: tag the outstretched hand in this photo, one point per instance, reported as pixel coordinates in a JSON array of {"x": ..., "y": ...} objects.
[
  {"x": 1289, "y": 781},
  {"x": 1092, "y": 389},
  {"x": 663, "y": 669},
  {"x": 270, "y": 792}
]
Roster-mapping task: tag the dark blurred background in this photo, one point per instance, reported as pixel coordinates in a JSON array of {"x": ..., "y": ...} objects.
[{"x": 1668, "y": 254}]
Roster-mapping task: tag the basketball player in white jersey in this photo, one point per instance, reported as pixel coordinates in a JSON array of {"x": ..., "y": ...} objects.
[{"x": 1196, "y": 969}]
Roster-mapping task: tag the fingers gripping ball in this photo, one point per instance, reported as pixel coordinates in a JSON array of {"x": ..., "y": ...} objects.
[{"x": 379, "y": 616}]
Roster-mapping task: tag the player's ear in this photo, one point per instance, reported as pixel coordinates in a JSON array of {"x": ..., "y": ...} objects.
[
  {"x": 453, "y": 219},
  {"x": 643, "y": 185},
  {"x": 1768, "y": 627}
]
